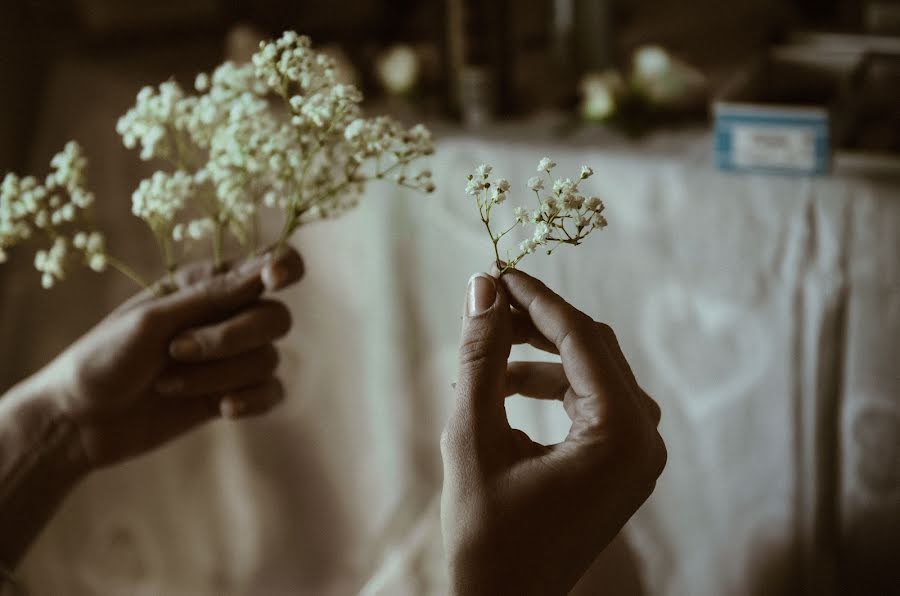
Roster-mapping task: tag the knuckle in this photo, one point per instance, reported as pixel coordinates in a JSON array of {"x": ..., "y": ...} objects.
[
  {"x": 574, "y": 332},
  {"x": 211, "y": 289},
  {"x": 474, "y": 352},
  {"x": 147, "y": 321},
  {"x": 605, "y": 330},
  {"x": 226, "y": 336},
  {"x": 80, "y": 371},
  {"x": 661, "y": 456},
  {"x": 275, "y": 389},
  {"x": 451, "y": 441},
  {"x": 657, "y": 411}
]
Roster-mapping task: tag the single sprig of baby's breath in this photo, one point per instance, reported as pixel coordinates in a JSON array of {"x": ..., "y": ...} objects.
[{"x": 562, "y": 214}]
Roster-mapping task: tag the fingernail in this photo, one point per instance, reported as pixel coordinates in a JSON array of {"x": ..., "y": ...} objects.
[
  {"x": 274, "y": 276},
  {"x": 169, "y": 385},
  {"x": 185, "y": 348},
  {"x": 231, "y": 407},
  {"x": 481, "y": 295}
]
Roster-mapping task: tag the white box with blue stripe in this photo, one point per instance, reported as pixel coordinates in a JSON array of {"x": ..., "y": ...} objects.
[{"x": 776, "y": 118}]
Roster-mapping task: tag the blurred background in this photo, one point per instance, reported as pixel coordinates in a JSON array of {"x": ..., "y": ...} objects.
[{"x": 749, "y": 156}]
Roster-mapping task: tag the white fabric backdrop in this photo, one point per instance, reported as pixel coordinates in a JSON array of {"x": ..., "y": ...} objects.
[{"x": 758, "y": 311}]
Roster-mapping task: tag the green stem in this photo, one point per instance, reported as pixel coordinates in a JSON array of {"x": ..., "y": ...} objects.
[
  {"x": 494, "y": 241},
  {"x": 127, "y": 271},
  {"x": 217, "y": 241},
  {"x": 286, "y": 230}
]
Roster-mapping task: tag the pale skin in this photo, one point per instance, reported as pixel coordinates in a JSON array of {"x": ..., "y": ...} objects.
[
  {"x": 523, "y": 518},
  {"x": 153, "y": 370}
]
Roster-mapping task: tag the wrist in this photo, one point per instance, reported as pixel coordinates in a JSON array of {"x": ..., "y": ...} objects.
[
  {"x": 41, "y": 460},
  {"x": 468, "y": 577},
  {"x": 36, "y": 406}
]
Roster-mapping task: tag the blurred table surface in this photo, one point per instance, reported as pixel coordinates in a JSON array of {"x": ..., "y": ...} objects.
[{"x": 763, "y": 313}]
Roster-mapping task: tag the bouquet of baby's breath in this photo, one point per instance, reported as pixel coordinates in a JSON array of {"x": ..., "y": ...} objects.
[
  {"x": 277, "y": 133},
  {"x": 562, "y": 215}
]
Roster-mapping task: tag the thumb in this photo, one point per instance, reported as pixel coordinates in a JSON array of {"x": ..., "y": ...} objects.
[{"x": 484, "y": 349}]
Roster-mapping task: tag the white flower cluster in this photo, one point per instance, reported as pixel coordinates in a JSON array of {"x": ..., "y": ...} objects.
[
  {"x": 52, "y": 263},
  {"x": 153, "y": 120},
  {"x": 52, "y": 210},
  {"x": 562, "y": 216},
  {"x": 94, "y": 247},
  {"x": 160, "y": 198},
  {"x": 281, "y": 131}
]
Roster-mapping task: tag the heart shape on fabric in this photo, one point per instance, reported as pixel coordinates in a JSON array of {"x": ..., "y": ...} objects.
[{"x": 710, "y": 351}]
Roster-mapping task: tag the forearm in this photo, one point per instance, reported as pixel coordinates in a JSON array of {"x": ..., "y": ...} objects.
[{"x": 40, "y": 462}]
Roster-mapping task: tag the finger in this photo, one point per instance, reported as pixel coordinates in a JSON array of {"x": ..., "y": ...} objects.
[
  {"x": 185, "y": 276},
  {"x": 644, "y": 400},
  {"x": 252, "y": 368},
  {"x": 285, "y": 268},
  {"x": 587, "y": 362},
  {"x": 204, "y": 296},
  {"x": 650, "y": 406},
  {"x": 210, "y": 300},
  {"x": 254, "y": 327},
  {"x": 524, "y": 332},
  {"x": 484, "y": 349},
  {"x": 252, "y": 401},
  {"x": 540, "y": 380}
]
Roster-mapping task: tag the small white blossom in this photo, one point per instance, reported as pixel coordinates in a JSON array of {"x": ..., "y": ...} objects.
[
  {"x": 563, "y": 186},
  {"x": 200, "y": 228},
  {"x": 528, "y": 246},
  {"x": 573, "y": 202},
  {"x": 522, "y": 215},
  {"x": 594, "y": 204},
  {"x": 545, "y": 165},
  {"x": 541, "y": 232},
  {"x": 502, "y": 185},
  {"x": 586, "y": 172},
  {"x": 201, "y": 83},
  {"x": 97, "y": 262},
  {"x": 474, "y": 187},
  {"x": 550, "y": 207},
  {"x": 483, "y": 171},
  {"x": 536, "y": 183}
]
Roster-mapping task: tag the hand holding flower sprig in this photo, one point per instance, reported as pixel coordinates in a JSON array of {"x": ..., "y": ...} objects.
[
  {"x": 56, "y": 210},
  {"x": 562, "y": 215}
]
